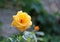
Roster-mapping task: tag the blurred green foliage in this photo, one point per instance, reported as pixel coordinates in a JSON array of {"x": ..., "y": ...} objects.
[
  {"x": 0, "y": 23},
  {"x": 49, "y": 23}
]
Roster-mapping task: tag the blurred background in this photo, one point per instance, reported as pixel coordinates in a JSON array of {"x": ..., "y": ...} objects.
[{"x": 44, "y": 13}]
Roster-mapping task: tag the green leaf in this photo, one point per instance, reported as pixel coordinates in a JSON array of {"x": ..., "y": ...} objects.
[{"x": 28, "y": 40}]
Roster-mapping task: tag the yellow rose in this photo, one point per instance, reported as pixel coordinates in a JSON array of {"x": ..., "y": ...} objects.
[{"x": 22, "y": 21}]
